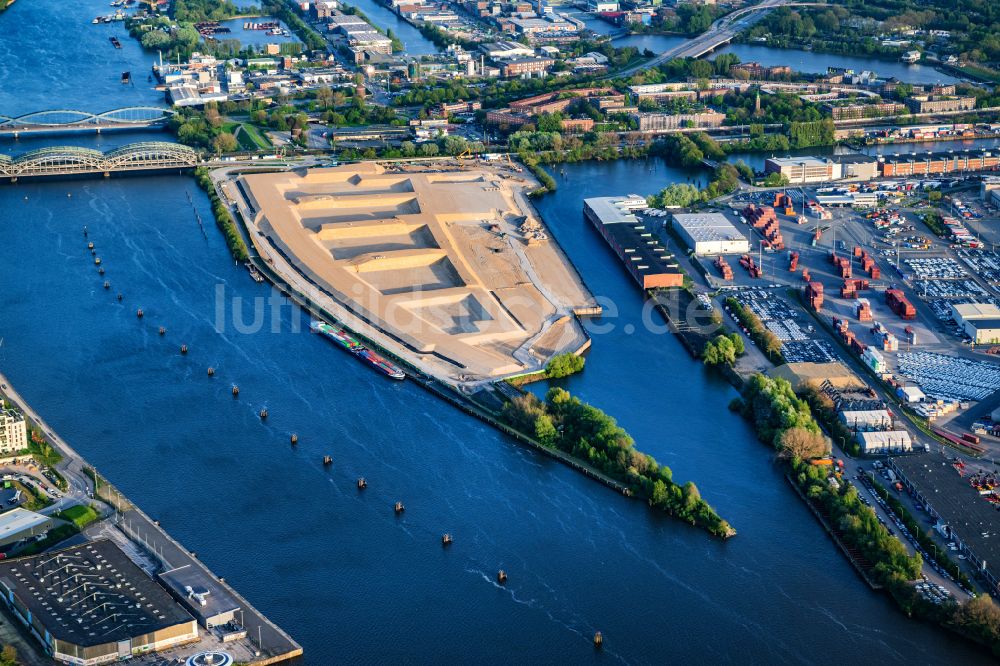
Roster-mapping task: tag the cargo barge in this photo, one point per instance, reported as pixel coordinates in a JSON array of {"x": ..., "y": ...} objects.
[{"x": 345, "y": 340}]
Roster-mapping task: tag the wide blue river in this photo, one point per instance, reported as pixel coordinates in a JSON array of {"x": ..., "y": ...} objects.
[{"x": 348, "y": 579}]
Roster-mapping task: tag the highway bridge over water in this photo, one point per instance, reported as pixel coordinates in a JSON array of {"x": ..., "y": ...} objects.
[
  {"x": 719, "y": 33},
  {"x": 74, "y": 160},
  {"x": 68, "y": 120}
]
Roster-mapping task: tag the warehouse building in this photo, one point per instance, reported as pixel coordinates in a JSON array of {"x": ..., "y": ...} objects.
[
  {"x": 868, "y": 419},
  {"x": 207, "y": 600},
  {"x": 710, "y": 233},
  {"x": 19, "y": 524},
  {"x": 645, "y": 259},
  {"x": 89, "y": 604},
  {"x": 804, "y": 169},
  {"x": 980, "y": 321},
  {"x": 857, "y": 167},
  {"x": 925, "y": 164},
  {"x": 963, "y": 515},
  {"x": 879, "y": 442}
]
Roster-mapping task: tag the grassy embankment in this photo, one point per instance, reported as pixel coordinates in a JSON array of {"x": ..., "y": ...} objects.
[
  {"x": 248, "y": 136},
  {"x": 223, "y": 219}
]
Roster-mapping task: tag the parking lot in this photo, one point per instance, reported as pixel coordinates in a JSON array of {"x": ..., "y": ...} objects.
[
  {"x": 941, "y": 288},
  {"x": 984, "y": 263},
  {"x": 936, "y": 268},
  {"x": 808, "y": 351},
  {"x": 950, "y": 377},
  {"x": 797, "y": 335}
]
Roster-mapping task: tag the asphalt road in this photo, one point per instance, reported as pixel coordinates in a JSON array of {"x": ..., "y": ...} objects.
[
  {"x": 80, "y": 487},
  {"x": 720, "y": 32}
]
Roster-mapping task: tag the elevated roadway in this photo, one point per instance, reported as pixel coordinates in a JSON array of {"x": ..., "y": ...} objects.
[{"x": 720, "y": 32}]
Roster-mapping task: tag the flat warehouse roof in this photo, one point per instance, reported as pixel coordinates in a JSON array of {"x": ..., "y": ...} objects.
[
  {"x": 959, "y": 504},
  {"x": 799, "y": 161},
  {"x": 83, "y": 594},
  {"x": 977, "y": 310},
  {"x": 642, "y": 250},
  {"x": 217, "y": 598},
  {"x": 616, "y": 210},
  {"x": 702, "y": 227},
  {"x": 18, "y": 521}
]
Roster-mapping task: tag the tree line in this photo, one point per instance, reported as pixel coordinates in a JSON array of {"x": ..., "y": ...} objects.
[{"x": 565, "y": 423}]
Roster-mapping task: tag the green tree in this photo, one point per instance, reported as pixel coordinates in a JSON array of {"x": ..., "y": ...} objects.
[
  {"x": 676, "y": 195},
  {"x": 737, "y": 341},
  {"x": 564, "y": 365},
  {"x": 225, "y": 143},
  {"x": 156, "y": 39},
  {"x": 545, "y": 431}
]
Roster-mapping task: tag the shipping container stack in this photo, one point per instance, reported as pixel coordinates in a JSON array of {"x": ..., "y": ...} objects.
[
  {"x": 911, "y": 335},
  {"x": 764, "y": 220},
  {"x": 897, "y": 303},
  {"x": 782, "y": 200},
  {"x": 886, "y": 340},
  {"x": 747, "y": 262},
  {"x": 814, "y": 295},
  {"x": 868, "y": 263},
  {"x": 843, "y": 265},
  {"x": 863, "y": 309},
  {"x": 852, "y": 287},
  {"x": 724, "y": 268},
  {"x": 840, "y": 327}
]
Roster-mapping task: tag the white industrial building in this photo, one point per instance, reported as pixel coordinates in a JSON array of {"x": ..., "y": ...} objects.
[
  {"x": 980, "y": 321},
  {"x": 710, "y": 233},
  {"x": 845, "y": 198},
  {"x": 910, "y": 393},
  {"x": 869, "y": 419},
  {"x": 18, "y": 524},
  {"x": 884, "y": 441},
  {"x": 13, "y": 431},
  {"x": 804, "y": 169}
]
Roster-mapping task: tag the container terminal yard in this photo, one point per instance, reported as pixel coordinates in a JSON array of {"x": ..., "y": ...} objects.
[
  {"x": 895, "y": 319},
  {"x": 446, "y": 267}
]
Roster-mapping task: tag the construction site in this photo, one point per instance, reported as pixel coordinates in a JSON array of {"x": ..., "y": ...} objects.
[{"x": 445, "y": 266}]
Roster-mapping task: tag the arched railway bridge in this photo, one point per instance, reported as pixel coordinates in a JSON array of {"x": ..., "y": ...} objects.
[
  {"x": 66, "y": 120},
  {"x": 74, "y": 160}
]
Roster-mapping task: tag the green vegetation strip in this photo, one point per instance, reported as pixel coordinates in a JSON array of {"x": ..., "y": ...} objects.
[
  {"x": 785, "y": 421},
  {"x": 767, "y": 341},
  {"x": 565, "y": 423},
  {"x": 33, "y": 499},
  {"x": 547, "y": 181},
  {"x": 774, "y": 410},
  {"x": 237, "y": 246}
]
